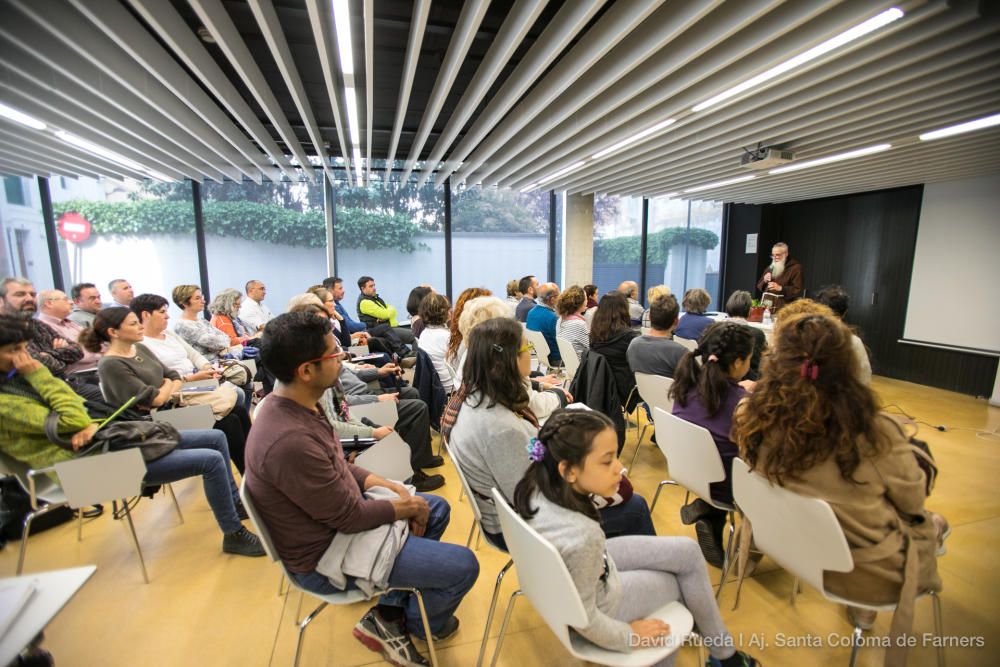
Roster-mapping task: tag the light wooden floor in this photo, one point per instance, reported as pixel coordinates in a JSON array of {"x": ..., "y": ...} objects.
[{"x": 206, "y": 608}]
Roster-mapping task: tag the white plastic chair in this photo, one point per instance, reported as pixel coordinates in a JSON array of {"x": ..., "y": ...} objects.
[
  {"x": 207, "y": 382},
  {"x": 183, "y": 419},
  {"x": 383, "y": 413},
  {"x": 570, "y": 359},
  {"x": 547, "y": 583},
  {"x": 389, "y": 458},
  {"x": 541, "y": 346},
  {"x": 686, "y": 342},
  {"x": 694, "y": 463},
  {"x": 346, "y": 597},
  {"x": 478, "y": 523},
  {"x": 81, "y": 483},
  {"x": 654, "y": 390},
  {"x": 803, "y": 535}
]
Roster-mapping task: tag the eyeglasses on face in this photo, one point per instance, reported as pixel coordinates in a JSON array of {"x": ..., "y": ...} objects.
[{"x": 318, "y": 360}]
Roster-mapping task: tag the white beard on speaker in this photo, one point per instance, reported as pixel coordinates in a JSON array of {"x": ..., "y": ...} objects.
[{"x": 777, "y": 268}]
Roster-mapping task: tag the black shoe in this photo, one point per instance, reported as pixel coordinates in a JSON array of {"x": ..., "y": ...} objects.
[
  {"x": 694, "y": 511},
  {"x": 738, "y": 659},
  {"x": 92, "y": 513},
  {"x": 449, "y": 628},
  {"x": 242, "y": 543},
  {"x": 711, "y": 545},
  {"x": 241, "y": 511},
  {"x": 434, "y": 462},
  {"x": 388, "y": 638},
  {"x": 424, "y": 482}
]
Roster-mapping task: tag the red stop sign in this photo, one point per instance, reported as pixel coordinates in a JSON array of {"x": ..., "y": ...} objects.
[{"x": 73, "y": 227}]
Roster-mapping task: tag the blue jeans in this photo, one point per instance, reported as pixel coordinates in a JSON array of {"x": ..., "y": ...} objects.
[
  {"x": 202, "y": 452},
  {"x": 442, "y": 572}
]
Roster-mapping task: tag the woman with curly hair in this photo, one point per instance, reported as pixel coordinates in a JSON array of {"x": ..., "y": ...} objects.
[
  {"x": 225, "y": 309},
  {"x": 812, "y": 427},
  {"x": 705, "y": 392},
  {"x": 434, "y": 336},
  {"x": 572, "y": 326},
  {"x": 455, "y": 341}
]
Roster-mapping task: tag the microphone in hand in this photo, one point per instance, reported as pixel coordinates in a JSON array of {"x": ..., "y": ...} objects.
[{"x": 369, "y": 422}]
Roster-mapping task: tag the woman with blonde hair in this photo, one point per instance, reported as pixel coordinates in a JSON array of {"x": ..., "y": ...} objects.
[
  {"x": 653, "y": 293},
  {"x": 812, "y": 427},
  {"x": 195, "y": 331}
]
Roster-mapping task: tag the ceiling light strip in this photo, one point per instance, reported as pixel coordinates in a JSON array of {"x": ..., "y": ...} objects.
[
  {"x": 978, "y": 124},
  {"x": 719, "y": 184},
  {"x": 342, "y": 23},
  {"x": 861, "y": 152},
  {"x": 22, "y": 118}
]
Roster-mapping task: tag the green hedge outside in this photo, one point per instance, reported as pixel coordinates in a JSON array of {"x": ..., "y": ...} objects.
[
  {"x": 268, "y": 223},
  {"x": 626, "y": 249}
]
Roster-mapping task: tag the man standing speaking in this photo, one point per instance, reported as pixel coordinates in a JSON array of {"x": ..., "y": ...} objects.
[{"x": 783, "y": 277}]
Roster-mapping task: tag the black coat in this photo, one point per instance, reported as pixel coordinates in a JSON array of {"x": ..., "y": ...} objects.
[
  {"x": 594, "y": 385},
  {"x": 615, "y": 350},
  {"x": 428, "y": 383}
]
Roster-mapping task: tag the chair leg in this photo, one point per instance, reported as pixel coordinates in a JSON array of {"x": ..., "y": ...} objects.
[
  {"x": 489, "y": 615},
  {"x": 79, "y": 525},
  {"x": 135, "y": 540},
  {"x": 26, "y": 531},
  {"x": 302, "y": 630},
  {"x": 938, "y": 627},
  {"x": 170, "y": 490},
  {"x": 658, "y": 489},
  {"x": 472, "y": 531},
  {"x": 281, "y": 585},
  {"x": 298, "y": 610},
  {"x": 796, "y": 589},
  {"x": 855, "y": 645},
  {"x": 727, "y": 562},
  {"x": 503, "y": 626}
]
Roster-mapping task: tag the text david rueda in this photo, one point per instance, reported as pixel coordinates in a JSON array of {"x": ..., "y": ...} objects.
[{"x": 761, "y": 641}]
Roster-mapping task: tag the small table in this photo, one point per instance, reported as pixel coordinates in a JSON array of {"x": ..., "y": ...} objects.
[{"x": 52, "y": 591}]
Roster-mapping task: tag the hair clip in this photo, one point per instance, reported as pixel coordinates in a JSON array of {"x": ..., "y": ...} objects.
[
  {"x": 712, "y": 357},
  {"x": 535, "y": 449},
  {"x": 497, "y": 347},
  {"x": 809, "y": 370}
]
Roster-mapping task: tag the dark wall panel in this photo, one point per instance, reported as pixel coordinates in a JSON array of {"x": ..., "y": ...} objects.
[{"x": 866, "y": 243}]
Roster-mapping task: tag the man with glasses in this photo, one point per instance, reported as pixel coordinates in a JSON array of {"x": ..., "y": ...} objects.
[
  {"x": 86, "y": 303},
  {"x": 782, "y": 278},
  {"x": 310, "y": 498},
  {"x": 54, "y": 309}
]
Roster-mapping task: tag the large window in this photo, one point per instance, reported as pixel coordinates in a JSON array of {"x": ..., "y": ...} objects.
[
  {"x": 617, "y": 241},
  {"x": 274, "y": 233},
  {"x": 684, "y": 246},
  {"x": 498, "y": 236},
  {"x": 143, "y": 233},
  {"x": 394, "y": 233},
  {"x": 23, "y": 250}
]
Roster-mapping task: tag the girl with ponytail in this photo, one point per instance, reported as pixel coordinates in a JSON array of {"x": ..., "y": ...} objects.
[
  {"x": 621, "y": 580},
  {"x": 706, "y": 390}
]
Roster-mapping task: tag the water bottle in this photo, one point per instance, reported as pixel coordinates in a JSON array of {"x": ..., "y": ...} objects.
[{"x": 767, "y": 317}]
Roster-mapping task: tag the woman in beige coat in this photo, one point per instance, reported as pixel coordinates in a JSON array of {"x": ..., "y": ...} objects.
[{"x": 814, "y": 428}]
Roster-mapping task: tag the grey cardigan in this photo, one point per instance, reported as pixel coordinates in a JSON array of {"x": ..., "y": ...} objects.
[
  {"x": 581, "y": 543},
  {"x": 490, "y": 443}
]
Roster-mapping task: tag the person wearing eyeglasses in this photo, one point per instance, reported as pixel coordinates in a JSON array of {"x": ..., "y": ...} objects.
[
  {"x": 54, "y": 309},
  {"x": 783, "y": 277}
]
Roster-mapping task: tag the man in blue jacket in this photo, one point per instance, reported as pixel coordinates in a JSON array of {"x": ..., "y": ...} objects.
[{"x": 543, "y": 318}]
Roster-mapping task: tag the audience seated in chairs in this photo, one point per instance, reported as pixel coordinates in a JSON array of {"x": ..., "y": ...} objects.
[
  {"x": 475, "y": 311},
  {"x": 434, "y": 337},
  {"x": 814, "y": 428},
  {"x": 694, "y": 321},
  {"x": 705, "y": 392},
  {"x": 526, "y": 286},
  {"x": 171, "y": 350},
  {"x": 655, "y": 352},
  {"x": 376, "y": 313},
  {"x": 513, "y": 296},
  {"x": 630, "y": 289},
  {"x": 592, "y": 293},
  {"x": 30, "y": 394},
  {"x": 838, "y": 300},
  {"x": 489, "y": 423},
  {"x": 86, "y": 303},
  {"x": 310, "y": 498},
  {"x": 198, "y": 333},
  {"x": 340, "y": 329},
  {"x": 572, "y": 326},
  {"x": 543, "y": 318},
  {"x": 738, "y": 310},
  {"x": 413, "y": 423},
  {"x": 129, "y": 369},
  {"x": 623, "y": 579},
  {"x": 252, "y": 311}
]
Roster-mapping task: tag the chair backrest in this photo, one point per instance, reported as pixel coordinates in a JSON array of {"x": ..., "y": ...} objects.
[
  {"x": 191, "y": 417},
  {"x": 655, "y": 390},
  {"x": 571, "y": 360},
  {"x": 801, "y": 534},
  {"x": 686, "y": 342},
  {"x": 255, "y": 520},
  {"x": 207, "y": 382},
  {"x": 473, "y": 500},
  {"x": 359, "y": 350},
  {"x": 692, "y": 457},
  {"x": 540, "y": 344},
  {"x": 383, "y": 413},
  {"x": 251, "y": 367},
  {"x": 389, "y": 458},
  {"x": 541, "y": 574},
  {"x": 90, "y": 480}
]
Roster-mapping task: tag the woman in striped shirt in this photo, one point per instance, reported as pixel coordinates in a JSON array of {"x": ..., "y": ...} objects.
[{"x": 572, "y": 325}]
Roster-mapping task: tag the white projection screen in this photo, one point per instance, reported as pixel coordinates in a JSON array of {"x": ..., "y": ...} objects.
[{"x": 955, "y": 289}]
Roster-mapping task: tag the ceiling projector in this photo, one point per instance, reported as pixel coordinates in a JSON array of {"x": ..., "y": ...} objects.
[{"x": 765, "y": 158}]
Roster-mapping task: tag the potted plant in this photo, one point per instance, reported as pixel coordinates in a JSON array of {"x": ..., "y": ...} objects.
[{"x": 757, "y": 310}]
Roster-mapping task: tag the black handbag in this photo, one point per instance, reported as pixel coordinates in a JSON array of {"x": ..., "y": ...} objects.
[{"x": 154, "y": 439}]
